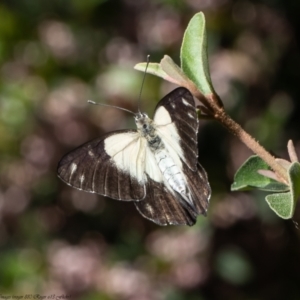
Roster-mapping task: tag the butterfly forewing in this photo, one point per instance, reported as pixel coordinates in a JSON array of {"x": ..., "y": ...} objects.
[
  {"x": 176, "y": 120},
  {"x": 92, "y": 169}
]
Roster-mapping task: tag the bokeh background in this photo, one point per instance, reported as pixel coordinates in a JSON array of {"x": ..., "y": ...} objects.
[{"x": 55, "y": 240}]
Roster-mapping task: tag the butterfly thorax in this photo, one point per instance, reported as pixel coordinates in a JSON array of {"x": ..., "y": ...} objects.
[
  {"x": 169, "y": 169},
  {"x": 146, "y": 128}
]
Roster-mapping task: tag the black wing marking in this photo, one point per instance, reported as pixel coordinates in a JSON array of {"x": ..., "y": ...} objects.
[
  {"x": 180, "y": 106},
  {"x": 162, "y": 207},
  {"x": 166, "y": 208},
  {"x": 91, "y": 169},
  {"x": 199, "y": 187}
]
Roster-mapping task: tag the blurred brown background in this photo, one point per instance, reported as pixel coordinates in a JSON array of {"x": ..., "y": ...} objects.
[{"x": 54, "y": 56}]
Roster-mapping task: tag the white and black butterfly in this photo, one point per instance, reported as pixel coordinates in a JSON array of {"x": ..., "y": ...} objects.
[{"x": 155, "y": 166}]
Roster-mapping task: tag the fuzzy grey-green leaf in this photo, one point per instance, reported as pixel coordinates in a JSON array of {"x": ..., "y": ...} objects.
[
  {"x": 166, "y": 69},
  {"x": 281, "y": 204},
  {"x": 194, "y": 61},
  {"x": 153, "y": 68},
  {"x": 247, "y": 177},
  {"x": 294, "y": 177},
  {"x": 173, "y": 71}
]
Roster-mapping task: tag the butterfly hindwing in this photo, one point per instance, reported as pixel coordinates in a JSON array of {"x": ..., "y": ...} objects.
[
  {"x": 166, "y": 208},
  {"x": 107, "y": 166},
  {"x": 177, "y": 122},
  {"x": 199, "y": 188},
  {"x": 162, "y": 207}
]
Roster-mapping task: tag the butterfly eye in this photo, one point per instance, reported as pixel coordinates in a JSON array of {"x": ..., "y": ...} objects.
[{"x": 145, "y": 126}]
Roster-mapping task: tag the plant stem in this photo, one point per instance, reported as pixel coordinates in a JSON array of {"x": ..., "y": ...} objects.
[{"x": 219, "y": 114}]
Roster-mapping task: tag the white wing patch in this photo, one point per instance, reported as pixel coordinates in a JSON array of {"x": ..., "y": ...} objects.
[
  {"x": 169, "y": 134},
  {"x": 171, "y": 139},
  {"x": 151, "y": 166},
  {"x": 149, "y": 208},
  {"x": 131, "y": 154},
  {"x": 127, "y": 151},
  {"x": 162, "y": 117},
  {"x": 185, "y": 102},
  {"x": 82, "y": 178},
  {"x": 91, "y": 153},
  {"x": 73, "y": 169}
]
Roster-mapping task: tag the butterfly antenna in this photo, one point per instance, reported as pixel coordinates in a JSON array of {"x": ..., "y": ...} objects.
[
  {"x": 107, "y": 105},
  {"x": 139, "y": 99}
]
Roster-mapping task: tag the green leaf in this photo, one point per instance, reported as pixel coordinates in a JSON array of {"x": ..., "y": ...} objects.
[
  {"x": 284, "y": 204},
  {"x": 173, "y": 71},
  {"x": 153, "y": 68},
  {"x": 166, "y": 69},
  {"x": 294, "y": 177},
  {"x": 194, "y": 61},
  {"x": 281, "y": 204},
  {"x": 247, "y": 177}
]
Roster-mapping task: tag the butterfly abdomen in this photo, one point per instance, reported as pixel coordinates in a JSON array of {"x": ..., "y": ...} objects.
[{"x": 170, "y": 171}]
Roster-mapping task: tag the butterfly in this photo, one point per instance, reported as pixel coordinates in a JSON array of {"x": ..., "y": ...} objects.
[{"x": 155, "y": 166}]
